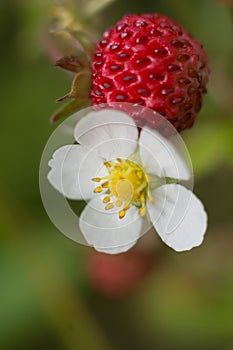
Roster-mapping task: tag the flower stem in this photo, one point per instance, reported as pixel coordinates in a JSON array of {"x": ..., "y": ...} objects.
[{"x": 170, "y": 180}]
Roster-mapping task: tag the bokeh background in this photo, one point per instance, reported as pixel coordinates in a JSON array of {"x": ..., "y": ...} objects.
[{"x": 55, "y": 294}]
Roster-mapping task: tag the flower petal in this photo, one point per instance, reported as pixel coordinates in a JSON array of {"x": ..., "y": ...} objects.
[
  {"x": 105, "y": 231},
  {"x": 110, "y": 133},
  {"x": 161, "y": 156},
  {"x": 72, "y": 168},
  {"x": 116, "y": 250},
  {"x": 178, "y": 216}
]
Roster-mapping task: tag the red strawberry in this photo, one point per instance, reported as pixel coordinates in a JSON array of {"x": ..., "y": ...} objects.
[{"x": 152, "y": 61}]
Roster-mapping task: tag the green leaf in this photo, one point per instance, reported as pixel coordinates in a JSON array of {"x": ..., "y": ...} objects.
[
  {"x": 210, "y": 145},
  {"x": 229, "y": 143},
  {"x": 207, "y": 146}
]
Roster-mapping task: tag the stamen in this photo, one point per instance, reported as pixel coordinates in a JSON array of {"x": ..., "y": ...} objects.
[
  {"x": 107, "y": 164},
  {"x": 142, "y": 211},
  {"x": 96, "y": 179},
  {"x": 140, "y": 188},
  {"x": 128, "y": 171},
  {"x": 119, "y": 160},
  {"x": 139, "y": 175},
  {"x": 121, "y": 214},
  {"x": 98, "y": 189},
  {"x": 105, "y": 184},
  {"x": 106, "y": 199},
  {"x": 142, "y": 198},
  {"x": 109, "y": 206}
]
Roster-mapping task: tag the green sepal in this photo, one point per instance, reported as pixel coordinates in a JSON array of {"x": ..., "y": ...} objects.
[
  {"x": 68, "y": 45},
  {"x": 156, "y": 181},
  {"x": 81, "y": 85},
  {"x": 171, "y": 180},
  {"x": 69, "y": 108},
  {"x": 80, "y": 88},
  {"x": 86, "y": 43},
  {"x": 70, "y": 63}
]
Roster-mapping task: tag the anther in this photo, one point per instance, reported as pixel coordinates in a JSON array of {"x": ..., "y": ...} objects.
[
  {"x": 96, "y": 179},
  {"x": 121, "y": 214},
  {"x": 109, "y": 206},
  {"x": 98, "y": 189},
  {"x": 105, "y": 184},
  {"x": 107, "y": 164},
  {"x": 117, "y": 167},
  {"x": 106, "y": 199}
]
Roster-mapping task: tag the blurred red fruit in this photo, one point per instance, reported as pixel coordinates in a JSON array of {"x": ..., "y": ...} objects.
[{"x": 118, "y": 275}]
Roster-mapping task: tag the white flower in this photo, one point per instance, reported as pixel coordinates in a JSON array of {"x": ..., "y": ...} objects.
[{"x": 129, "y": 181}]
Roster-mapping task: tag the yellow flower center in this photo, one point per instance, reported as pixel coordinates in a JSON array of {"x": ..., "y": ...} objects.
[{"x": 126, "y": 184}]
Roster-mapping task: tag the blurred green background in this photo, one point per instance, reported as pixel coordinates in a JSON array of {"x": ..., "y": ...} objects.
[{"x": 46, "y": 298}]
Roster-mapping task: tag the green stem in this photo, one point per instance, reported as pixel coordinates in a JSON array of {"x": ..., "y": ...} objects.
[
  {"x": 156, "y": 181},
  {"x": 170, "y": 180}
]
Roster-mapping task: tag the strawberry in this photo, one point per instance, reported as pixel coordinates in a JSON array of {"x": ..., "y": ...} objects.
[{"x": 152, "y": 61}]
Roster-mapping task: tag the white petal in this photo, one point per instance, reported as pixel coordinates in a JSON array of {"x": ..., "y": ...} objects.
[
  {"x": 110, "y": 133},
  {"x": 178, "y": 216},
  {"x": 105, "y": 231},
  {"x": 161, "y": 157},
  {"x": 72, "y": 168},
  {"x": 116, "y": 250}
]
